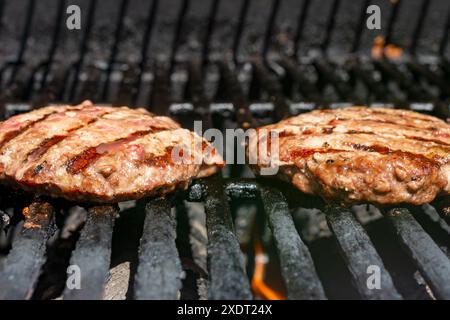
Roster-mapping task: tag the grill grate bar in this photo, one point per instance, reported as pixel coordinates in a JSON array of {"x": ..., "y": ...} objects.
[
  {"x": 360, "y": 26},
  {"x": 159, "y": 270},
  {"x": 374, "y": 86},
  {"x": 306, "y": 87},
  {"x": 209, "y": 31},
  {"x": 270, "y": 28},
  {"x": 160, "y": 93},
  {"x": 330, "y": 25},
  {"x": 300, "y": 26},
  {"x": 21, "y": 267},
  {"x": 227, "y": 278},
  {"x": 240, "y": 29},
  {"x": 178, "y": 30},
  {"x": 419, "y": 26},
  {"x": 55, "y": 42},
  {"x": 424, "y": 71},
  {"x": 431, "y": 261},
  {"x": 442, "y": 207},
  {"x": 390, "y": 71},
  {"x": 2, "y": 8},
  {"x": 358, "y": 251},
  {"x": 92, "y": 253},
  {"x": 327, "y": 75},
  {"x": 24, "y": 40},
  {"x": 83, "y": 48},
  {"x": 229, "y": 86},
  {"x": 52, "y": 90},
  {"x": 444, "y": 40},
  {"x": 392, "y": 21},
  {"x": 114, "y": 49},
  {"x": 297, "y": 266}
]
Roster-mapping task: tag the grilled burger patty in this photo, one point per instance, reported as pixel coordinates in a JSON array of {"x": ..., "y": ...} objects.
[
  {"x": 100, "y": 154},
  {"x": 359, "y": 154}
]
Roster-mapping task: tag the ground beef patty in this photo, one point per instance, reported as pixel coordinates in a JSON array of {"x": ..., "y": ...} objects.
[
  {"x": 358, "y": 154},
  {"x": 101, "y": 154}
]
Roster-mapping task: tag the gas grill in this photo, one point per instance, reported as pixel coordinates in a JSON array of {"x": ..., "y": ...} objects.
[{"x": 228, "y": 75}]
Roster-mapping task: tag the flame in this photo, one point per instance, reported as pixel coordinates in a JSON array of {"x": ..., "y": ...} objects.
[
  {"x": 259, "y": 287},
  {"x": 380, "y": 49}
]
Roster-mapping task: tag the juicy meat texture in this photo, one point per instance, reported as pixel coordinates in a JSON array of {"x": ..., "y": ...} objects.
[
  {"x": 101, "y": 154},
  {"x": 359, "y": 154}
]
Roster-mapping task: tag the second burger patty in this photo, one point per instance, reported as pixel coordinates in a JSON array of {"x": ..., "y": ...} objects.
[
  {"x": 359, "y": 154},
  {"x": 101, "y": 154}
]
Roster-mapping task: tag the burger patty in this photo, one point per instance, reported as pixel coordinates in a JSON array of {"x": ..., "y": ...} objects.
[
  {"x": 101, "y": 154},
  {"x": 358, "y": 154}
]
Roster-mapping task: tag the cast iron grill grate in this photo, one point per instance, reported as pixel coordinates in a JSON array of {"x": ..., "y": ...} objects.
[{"x": 222, "y": 92}]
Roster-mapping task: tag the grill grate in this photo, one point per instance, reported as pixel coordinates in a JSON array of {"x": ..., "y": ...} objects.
[
  {"x": 22, "y": 265},
  {"x": 93, "y": 252},
  {"x": 287, "y": 85},
  {"x": 159, "y": 271}
]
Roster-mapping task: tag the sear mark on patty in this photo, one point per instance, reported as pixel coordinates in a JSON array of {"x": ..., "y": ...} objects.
[{"x": 81, "y": 161}]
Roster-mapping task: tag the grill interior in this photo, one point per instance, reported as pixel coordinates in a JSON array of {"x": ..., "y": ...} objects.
[{"x": 257, "y": 78}]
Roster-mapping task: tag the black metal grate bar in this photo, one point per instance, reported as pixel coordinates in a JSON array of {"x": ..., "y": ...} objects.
[
  {"x": 229, "y": 86},
  {"x": 159, "y": 270},
  {"x": 92, "y": 254},
  {"x": 360, "y": 26},
  {"x": 330, "y": 25},
  {"x": 267, "y": 81},
  {"x": 442, "y": 206},
  {"x": 297, "y": 266},
  {"x": 359, "y": 253},
  {"x": 419, "y": 25},
  {"x": 306, "y": 87},
  {"x": 115, "y": 46},
  {"x": 240, "y": 29},
  {"x": 444, "y": 40},
  {"x": 55, "y": 41},
  {"x": 392, "y": 21},
  {"x": 270, "y": 28},
  {"x": 300, "y": 26},
  {"x": 423, "y": 71},
  {"x": 83, "y": 48},
  {"x": 23, "y": 41},
  {"x": 145, "y": 44},
  {"x": 429, "y": 258},
  {"x": 178, "y": 29},
  {"x": 209, "y": 31},
  {"x": 22, "y": 266},
  {"x": 227, "y": 278},
  {"x": 159, "y": 96},
  {"x": 328, "y": 75},
  {"x": 2, "y": 8},
  {"x": 406, "y": 83}
]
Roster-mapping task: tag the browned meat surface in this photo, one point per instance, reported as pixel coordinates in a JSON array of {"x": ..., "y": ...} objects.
[
  {"x": 358, "y": 154},
  {"x": 101, "y": 154}
]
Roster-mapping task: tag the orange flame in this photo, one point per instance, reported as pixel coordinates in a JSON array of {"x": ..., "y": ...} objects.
[
  {"x": 380, "y": 49},
  {"x": 259, "y": 287}
]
